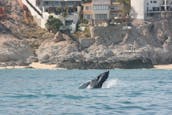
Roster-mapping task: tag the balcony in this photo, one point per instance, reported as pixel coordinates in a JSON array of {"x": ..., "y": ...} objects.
[{"x": 160, "y": 9}]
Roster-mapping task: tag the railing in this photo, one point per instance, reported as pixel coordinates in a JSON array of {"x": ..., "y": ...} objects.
[
  {"x": 159, "y": 11},
  {"x": 39, "y": 13}
]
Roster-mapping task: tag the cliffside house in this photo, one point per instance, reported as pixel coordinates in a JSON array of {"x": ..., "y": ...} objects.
[
  {"x": 97, "y": 10},
  {"x": 102, "y": 10},
  {"x": 66, "y": 10},
  {"x": 141, "y": 9}
]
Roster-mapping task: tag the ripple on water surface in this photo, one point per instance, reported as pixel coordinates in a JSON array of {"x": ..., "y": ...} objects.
[{"x": 53, "y": 92}]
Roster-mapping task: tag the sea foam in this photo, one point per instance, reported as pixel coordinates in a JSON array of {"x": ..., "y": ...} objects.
[{"x": 110, "y": 83}]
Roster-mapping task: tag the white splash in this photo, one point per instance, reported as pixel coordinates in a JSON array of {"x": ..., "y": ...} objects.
[
  {"x": 110, "y": 83},
  {"x": 89, "y": 87}
]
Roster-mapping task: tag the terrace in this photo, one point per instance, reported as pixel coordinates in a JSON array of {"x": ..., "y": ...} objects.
[{"x": 62, "y": 6}]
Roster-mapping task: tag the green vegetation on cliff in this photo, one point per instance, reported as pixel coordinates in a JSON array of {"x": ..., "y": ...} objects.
[
  {"x": 53, "y": 24},
  {"x": 126, "y": 4}
]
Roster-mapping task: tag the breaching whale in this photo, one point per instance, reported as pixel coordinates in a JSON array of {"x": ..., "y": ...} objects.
[{"x": 96, "y": 83}]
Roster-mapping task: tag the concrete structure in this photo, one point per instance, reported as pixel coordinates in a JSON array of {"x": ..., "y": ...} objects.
[
  {"x": 39, "y": 16},
  {"x": 140, "y": 9},
  {"x": 41, "y": 9}
]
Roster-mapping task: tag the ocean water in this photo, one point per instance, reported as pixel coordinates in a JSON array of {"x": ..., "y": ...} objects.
[{"x": 55, "y": 92}]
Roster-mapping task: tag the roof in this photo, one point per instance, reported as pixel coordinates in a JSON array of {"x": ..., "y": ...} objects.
[
  {"x": 87, "y": 4},
  {"x": 116, "y": 3},
  {"x": 87, "y": 12}
]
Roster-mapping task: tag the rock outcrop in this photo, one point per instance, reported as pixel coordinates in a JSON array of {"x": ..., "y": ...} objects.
[
  {"x": 52, "y": 52},
  {"x": 18, "y": 38},
  {"x": 14, "y": 51}
]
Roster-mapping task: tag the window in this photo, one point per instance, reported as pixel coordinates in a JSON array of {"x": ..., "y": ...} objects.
[
  {"x": 155, "y": 2},
  {"x": 115, "y": 8},
  {"x": 69, "y": 3},
  {"x": 46, "y": 3},
  {"x": 100, "y": 7},
  {"x": 155, "y": 8},
  {"x": 87, "y": 16},
  {"x": 101, "y": 16}
]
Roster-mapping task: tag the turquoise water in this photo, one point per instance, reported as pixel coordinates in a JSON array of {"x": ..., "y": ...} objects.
[{"x": 55, "y": 92}]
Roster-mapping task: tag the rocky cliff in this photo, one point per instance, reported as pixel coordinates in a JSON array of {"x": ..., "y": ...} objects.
[
  {"x": 121, "y": 46},
  {"x": 19, "y": 37},
  {"x": 115, "y": 46}
]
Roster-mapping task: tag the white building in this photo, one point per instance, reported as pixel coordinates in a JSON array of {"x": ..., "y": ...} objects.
[
  {"x": 41, "y": 9},
  {"x": 140, "y": 9}
]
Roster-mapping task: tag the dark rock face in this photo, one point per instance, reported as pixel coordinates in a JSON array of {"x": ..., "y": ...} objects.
[
  {"x": 135, "y": 63},
  {"x": 4, "y": 30},
  {"x": 124, "y": 64},
  {"x": 86, "y": 42}
]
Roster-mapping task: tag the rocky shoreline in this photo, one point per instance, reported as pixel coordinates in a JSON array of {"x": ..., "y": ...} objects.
[{"x": 103, "y": 51}]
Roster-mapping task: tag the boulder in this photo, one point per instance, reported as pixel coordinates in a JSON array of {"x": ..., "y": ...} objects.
[
  {"x": 51, "y": 52},
  {"x": 86, "y": 42},
  {"x": 58, "y": 37}
]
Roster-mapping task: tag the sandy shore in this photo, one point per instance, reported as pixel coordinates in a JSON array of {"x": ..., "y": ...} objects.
[
  {"x": 14, "y": 67},
  {"x": 168, "y": 67},
  {"x": 37, "y": 65},
  {"x": 34, "y": 65}
]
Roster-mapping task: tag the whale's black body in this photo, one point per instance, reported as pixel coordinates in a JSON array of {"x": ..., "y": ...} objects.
[{"x": 96, "y": 83}]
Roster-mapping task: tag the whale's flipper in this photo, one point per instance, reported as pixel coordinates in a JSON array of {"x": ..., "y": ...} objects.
[
  {"x": 85, "y": 85},
  {"x": 96, "y": 83}
]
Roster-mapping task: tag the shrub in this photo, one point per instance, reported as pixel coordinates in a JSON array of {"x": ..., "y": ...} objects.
[{"x": 53, "y": 24}]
